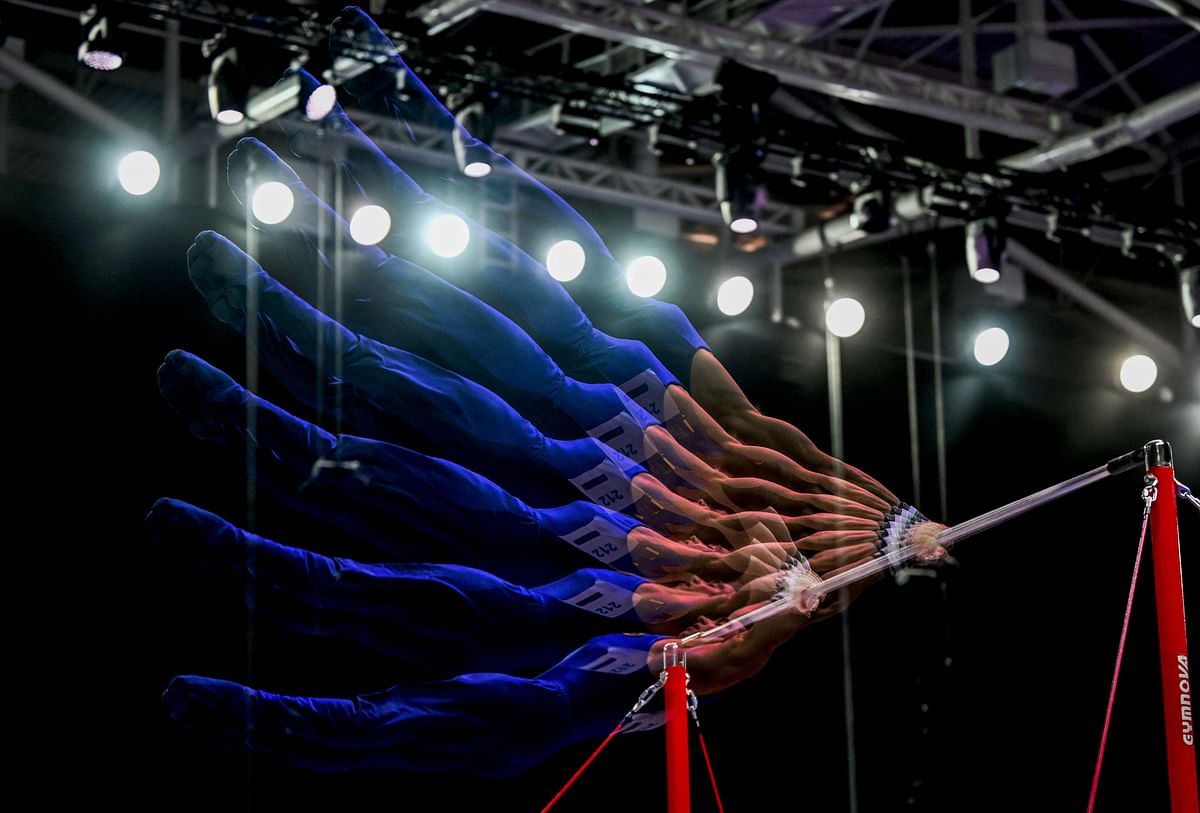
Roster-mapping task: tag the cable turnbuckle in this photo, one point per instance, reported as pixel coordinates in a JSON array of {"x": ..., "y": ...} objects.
[
  {"x": 647, "y": 695},
  {"x": 1150, "y": 490}
]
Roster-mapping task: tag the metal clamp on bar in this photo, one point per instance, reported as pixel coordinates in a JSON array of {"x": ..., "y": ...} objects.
[
  {"x": 1187, "y": 494},
  {"x": 1158, "y": 453},
  {"x": 673, "y": 655},
  {"x": 1127, "y": 462}
]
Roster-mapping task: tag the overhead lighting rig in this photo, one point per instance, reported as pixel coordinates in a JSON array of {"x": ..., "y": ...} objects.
[{"x": 98, "y": 47}]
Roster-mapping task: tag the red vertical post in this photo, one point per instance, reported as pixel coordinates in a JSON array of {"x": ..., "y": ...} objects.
[
  {"x": 1172, "y": 632},
  {"x": 679, "y": 785}
]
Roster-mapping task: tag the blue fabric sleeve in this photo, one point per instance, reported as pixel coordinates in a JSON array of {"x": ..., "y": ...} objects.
[
  {"x": 487, "y": 724},
  {"x": 403, "y": 305},
  {"x": 502, "y": 274},
  {"x": 392, "y": 87},
  {"x": 602, "y": 679},
  {"x": 444, "y": 617},
  {"x": 592, "y": 530},
  {"x": 377, "y": 491},
  {"x": 606, "y": 593},
  {"x": 450, "y": 414}
]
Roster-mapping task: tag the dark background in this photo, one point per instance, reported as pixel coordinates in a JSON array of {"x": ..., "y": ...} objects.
[{"x": 1010, "y": 650}]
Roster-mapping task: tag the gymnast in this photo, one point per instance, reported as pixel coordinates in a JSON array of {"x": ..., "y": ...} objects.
[
  {"x": 709, "y": 521},
  {"x": 411, "y": 611},
  {"x": 370, "y": 488},
  {"x": 481, "y": 723},
  {"x": 715, "y": 418},
  {"x": 474, "y": 427}
]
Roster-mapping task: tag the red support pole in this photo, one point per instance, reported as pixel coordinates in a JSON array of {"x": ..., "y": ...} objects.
[
  {"x": 1172, "y": 633},
  {"x": 679, "y": 786}
]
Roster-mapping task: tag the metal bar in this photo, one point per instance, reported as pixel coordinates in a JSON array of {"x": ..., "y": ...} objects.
[
  {"x": 672, "y": 35},
  {"x": 842, "y": 20},
  {"x": 1172, "y": 631},
  {"x": 1098, "y": 54},
  {"x": 1031, "y": 18},
  {"x": 939, "y": 395},
  {"x": 966, "y": 69},
  {"x": 171, "y": 103},
  {"x": 865, "y": 44},
  {"x": 1040, "y": 267},
  {"x": 1134, "y": 68},
  {"x": 776, "y": 293},
  {"x": 4, "y": 130},
  {"x": 963, "y": 530},
  {"x": 910, "y": 375},
  {"x": 837, "y": 446},
  {"x": 679, "y": 787},
  {"x": 1119, "y": 131},
  {"x": 1008, "y": 29},
  {"x": 1176, "y": 10},
  {"x": 727, "y": 13},
  {"x": 67, "y": 98},
  {"x": 948, "y": 537},
  {"x": 949, "y": 35}
]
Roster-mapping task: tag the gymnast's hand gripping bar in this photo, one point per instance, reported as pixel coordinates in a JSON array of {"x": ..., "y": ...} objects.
[
  {"x": 802, "y": 589},
  {"x": 806, "y": 589}
]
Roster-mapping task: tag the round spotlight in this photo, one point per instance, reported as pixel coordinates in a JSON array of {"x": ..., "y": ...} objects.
[
  {"x": 565, "y": 260},
  {"x": 320, "y": 102},
  {"x": 735, "y": 295},
  {"x": 370, "y": 224},
  {"x": 1138, "y": 373},
  {"x": 991, "y": 346},
  {"x": 845, "y": 317},
  {"x": 1196, "y": 320},
  {"x": 477, "y": 169},
  {"x": 230, "y": 116},
  {"x": 103, "y": 60},
  {"x": 744, "y": 225},
  {"x": 138, "y": 172},
  {"x": 986, "y": 275},
  {"x": 272, "y": 202},
  {"x": 448, "y": 235},
  {"x": 646, "y": 275}
]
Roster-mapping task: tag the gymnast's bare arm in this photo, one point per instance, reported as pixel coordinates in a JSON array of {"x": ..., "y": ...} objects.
[{"x": 735, "y": 419}]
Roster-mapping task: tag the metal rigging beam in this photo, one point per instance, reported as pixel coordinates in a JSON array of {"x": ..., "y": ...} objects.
[
  {"x": 583, "y": 179},
  {"x": 678, "y": 37}
]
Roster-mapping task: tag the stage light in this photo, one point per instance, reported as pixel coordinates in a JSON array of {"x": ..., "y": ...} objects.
[
  {"x": 573, "y": 118},
  {"x": 646, "y": 275},
  {"x": 272, "y": 202},
  {"x": 985, "y": 251},
  {"x": 872, "y": 211},
  {"x": 448, "y": 235},
  {"x": 228, "y": 90},
  {"x": 477, "y": 169},
  {"x": 370, "y": 224},
  {"x": 672, "y": 146},
  {"x": 98, "y": 47},
  {"x": 476, "y": 129},
  {"x": 1189, "y": 288},
  {"x": 735, "y": 295},
  {"x": 991, "y": 346},
  {"x": 565, "y": 260},
  {"x": 138, "y": 172},
  {"x": 987, "y": 275},
  {"x": 320, "y": 102},
  {"x": 1138, "y": 373},
  {"x": 845, "y": 317},
  {"x": 740, "y": 189}
]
